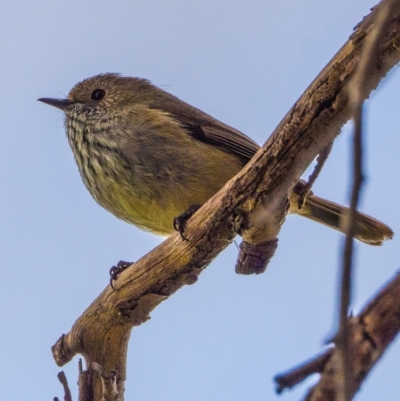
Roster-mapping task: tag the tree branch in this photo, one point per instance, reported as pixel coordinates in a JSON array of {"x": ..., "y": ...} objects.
[
  {"x": 254, "y": 197},
  {"x": 298, "y": 374},
  {"x": 67, "y": 392},
  {"x": 356, "y": 100},
  {"x": 370, "y": 333}
]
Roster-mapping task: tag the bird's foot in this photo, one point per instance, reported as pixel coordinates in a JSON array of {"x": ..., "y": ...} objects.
[
  {"x": 115, "y": 271},
  {"x": 181, "y": 220}
]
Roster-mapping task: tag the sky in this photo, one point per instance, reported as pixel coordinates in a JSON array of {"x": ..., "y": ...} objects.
[{"x": 244, "y": 62}]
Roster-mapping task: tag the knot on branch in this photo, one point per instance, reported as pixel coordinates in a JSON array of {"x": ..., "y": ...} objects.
[
  {"x": 136, "y": 311},
  {"x": 62, "y": 351},
  {"x": 254, "y": 259}
]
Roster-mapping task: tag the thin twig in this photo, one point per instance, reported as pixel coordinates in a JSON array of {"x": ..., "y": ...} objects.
[
  {"x": 85, "y": 392},
  {"x": 356, "y": 96},
  {"x": 63, "y": 380},
  {"x": 321, "y": 159},
  {"x": 296, "y": 375}
]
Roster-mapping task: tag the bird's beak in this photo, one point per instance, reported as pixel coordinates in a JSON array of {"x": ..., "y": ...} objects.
[{"x": 61, "y": 104}]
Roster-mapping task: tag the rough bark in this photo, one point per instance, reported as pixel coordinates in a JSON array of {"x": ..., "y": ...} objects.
[{"x": 370, "y": 334}]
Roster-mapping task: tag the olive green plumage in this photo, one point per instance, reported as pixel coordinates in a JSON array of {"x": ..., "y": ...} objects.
[{"x": 146, "y": 156}]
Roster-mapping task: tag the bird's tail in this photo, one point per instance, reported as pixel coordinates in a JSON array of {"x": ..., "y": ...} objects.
[{"x": 367, "y": 229}]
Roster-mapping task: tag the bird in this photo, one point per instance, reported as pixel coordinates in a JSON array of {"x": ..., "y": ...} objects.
[{"x": 146, "y": 156}]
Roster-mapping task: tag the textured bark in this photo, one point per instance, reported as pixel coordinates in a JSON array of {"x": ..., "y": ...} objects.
[
  {"x": 370, "y": 334},
  {"x": 252, "y": 203}
]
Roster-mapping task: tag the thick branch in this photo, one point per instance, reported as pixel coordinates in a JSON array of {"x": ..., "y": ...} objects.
[
  {"x": 259, "y": 191},
  {"x": 370, "y": 333}
]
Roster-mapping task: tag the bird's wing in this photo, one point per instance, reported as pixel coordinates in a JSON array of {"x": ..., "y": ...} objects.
[{"x": 206, "y": 128}]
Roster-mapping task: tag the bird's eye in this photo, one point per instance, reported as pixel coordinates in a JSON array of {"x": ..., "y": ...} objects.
[{"x": 98, "y": 94}]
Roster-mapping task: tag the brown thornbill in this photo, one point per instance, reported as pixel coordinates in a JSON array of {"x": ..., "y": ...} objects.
[{"x": 146, "y": 156}]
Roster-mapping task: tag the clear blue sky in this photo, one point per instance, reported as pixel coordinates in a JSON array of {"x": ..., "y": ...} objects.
[{"x": 244, "y": 62}]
